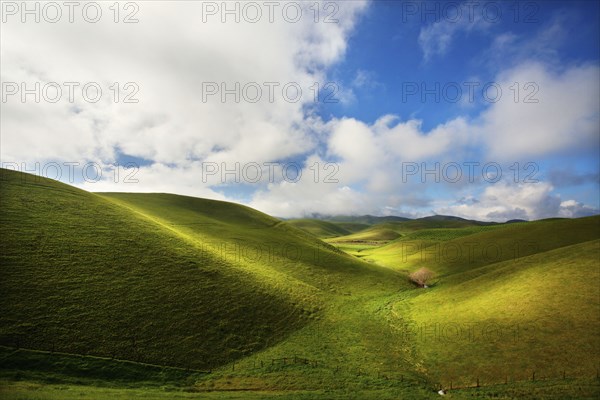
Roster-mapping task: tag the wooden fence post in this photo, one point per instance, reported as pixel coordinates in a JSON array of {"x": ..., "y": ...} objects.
[
  {"x": 533, "y": 377},
  {"x": 477, "y": 382}
]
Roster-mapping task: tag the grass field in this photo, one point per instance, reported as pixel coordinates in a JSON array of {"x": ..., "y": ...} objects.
[
  {"x": 140, "y": 295},
  {"x": 320, "y": 229}
]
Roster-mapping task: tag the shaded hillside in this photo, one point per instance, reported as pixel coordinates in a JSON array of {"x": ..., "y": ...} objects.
[{"x": 81, "y": 274}]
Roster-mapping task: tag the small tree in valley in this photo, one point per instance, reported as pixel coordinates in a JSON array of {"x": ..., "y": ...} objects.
[{"x": 422, "y": 276}]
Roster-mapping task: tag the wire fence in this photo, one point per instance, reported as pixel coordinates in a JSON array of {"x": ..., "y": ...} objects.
[
  {"x": 273, "y": 364},
  {"x": 530, "y": 376},
  {"x": 449, "y": 384}
]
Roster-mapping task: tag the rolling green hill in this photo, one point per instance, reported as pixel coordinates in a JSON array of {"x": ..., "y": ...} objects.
[
  {"x": 455, "y": 250},
  {"x": 289, "y": 259},
  {"x": 376, "y": 233},
  {"x": 511, "y": 300},
  {"x": 513, "y": 318},
  {"x": 83, "y": 275},
  {"x": 352, "y": 227},
  {"x": 326, "y": 229},
  {"x": 392, "y": 230},
  {"x": 116, "y": 276},
  {"x": 321, "y": 229},
  {"x": 96, "y": 287},
  {"x": 441, "y": 222},
  {"x": 364, "y": 219}
]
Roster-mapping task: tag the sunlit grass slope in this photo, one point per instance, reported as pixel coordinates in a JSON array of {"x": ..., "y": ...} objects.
[
  {"x": 81, "y": 274},
  {"x": 351, "y": 330},
  {"x": 512, "y": 299},
  {"x": 403, "y": 229},
  {"x": 448, "y": 251},
  {"x": 279, "y": 254},
  {"x": 175, "y": 280},
  {"x": 507, "y": 320},
  {"x": 163, "y": 279},
  {"x": 321, "y": 229},
  {"x": 376, "y": 233}
]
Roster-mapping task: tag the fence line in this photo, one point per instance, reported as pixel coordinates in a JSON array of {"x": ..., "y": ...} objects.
[
  {"x": 535, "y": 377},
  {"x": 295, "y": 360},
  {"x": 449, "y": 385},
  {"x": 111, "y": 358}
]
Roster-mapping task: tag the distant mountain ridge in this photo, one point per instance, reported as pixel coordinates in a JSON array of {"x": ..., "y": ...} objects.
[{"x": 372, "y": 220}]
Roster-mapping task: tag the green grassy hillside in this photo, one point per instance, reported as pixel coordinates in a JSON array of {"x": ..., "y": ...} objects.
[
  {"x": 321, "y": 229},
  {"x": 162, "y": 279},
  {"x": 114, "y": 276},
  {"x": 352, "y": 227},
  {"x": 364, "y": 219},
  {"x": 456, "y": 250},
  {"x": 511, "y": 299},
  {"x": 326, "y": 229},
  {"x": 441, "y": 222},
  {"x": 83, "y": 275},
  {"x": 105, "y": 293},
  {"x": 412, "y": 229},
  {"x": 376, "y": 233},
  {"x": 510, "y": 319},
  {"x": 280, "y": 255}
]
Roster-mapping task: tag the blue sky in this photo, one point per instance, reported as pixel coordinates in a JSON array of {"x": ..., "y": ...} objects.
[
  {"x": 386, "y": 56},
  {"x": 387, "y": 52},
  {"x": 380, "y": 55}
]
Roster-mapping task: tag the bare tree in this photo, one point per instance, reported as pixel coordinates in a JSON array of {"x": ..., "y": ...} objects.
[{"x": 422, "y": 276}]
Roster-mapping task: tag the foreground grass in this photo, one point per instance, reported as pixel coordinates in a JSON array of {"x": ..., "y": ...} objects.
[
  {"x": 39, "y": 375},
  {"x": 34, "y": 391},
  {"x": 41, "y": 366},
  {"x": 564, "y": 389},
  {"x": 551, "y": 389}
]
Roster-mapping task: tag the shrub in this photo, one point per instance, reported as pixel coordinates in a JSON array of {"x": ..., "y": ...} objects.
[{"x": 422, "y": 276}]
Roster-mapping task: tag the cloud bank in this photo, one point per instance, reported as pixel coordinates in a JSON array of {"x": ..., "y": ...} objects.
[{"x": 197, "y": 81}]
